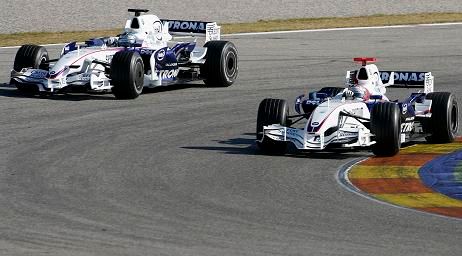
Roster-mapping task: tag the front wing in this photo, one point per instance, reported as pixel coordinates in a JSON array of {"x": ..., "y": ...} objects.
[{"x": 304, "y": 140}]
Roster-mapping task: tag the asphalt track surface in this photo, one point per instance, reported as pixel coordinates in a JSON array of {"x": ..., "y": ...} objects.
[
  {"x": 177, "y": 172},
  {"x": 46, "y": 15}
]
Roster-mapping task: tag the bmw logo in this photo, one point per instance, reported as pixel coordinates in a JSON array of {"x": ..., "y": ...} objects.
[{"x": 161, "y": 55}]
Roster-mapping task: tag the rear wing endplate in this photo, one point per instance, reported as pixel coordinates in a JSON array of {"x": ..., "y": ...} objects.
[
  {"x": 409, "y": 79},
  {"x": 210, "y": 30}
]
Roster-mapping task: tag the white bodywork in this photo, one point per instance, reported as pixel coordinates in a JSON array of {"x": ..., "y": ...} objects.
[
  {"x": 347, "y": 131},
  {"x": 151, "y": 32},
  {"x": 150, "y": 28},
  {"x": 368, "y": 77},
  {"x": 341, "y": 120},
  {"x": 77, "y": 67}
]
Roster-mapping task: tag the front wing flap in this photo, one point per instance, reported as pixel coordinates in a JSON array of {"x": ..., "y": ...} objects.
[{"x": 318, "y": 140}]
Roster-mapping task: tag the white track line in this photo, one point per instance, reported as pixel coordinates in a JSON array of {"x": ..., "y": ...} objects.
[
  {"x": 14, "y": 47},
  {"x": 344, "y": 29},
  {"x": 306, "y": 31}
]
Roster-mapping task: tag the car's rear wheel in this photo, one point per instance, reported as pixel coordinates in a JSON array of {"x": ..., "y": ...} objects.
[
  {"x": 271, "y": 111},
  {"x": 30, "y": 56},
  {"x": 386, "y": 126},
  {"x": 444, "y": 122},
  {"x": 221, "y": 64},
  {"x": 127, "y": 75}
]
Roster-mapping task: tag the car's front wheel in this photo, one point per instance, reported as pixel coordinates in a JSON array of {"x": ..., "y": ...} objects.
[
  {"x": 271, "y": 111},
  {"x": 30, "y": 56},
  {"x": 386, "y": 126},
  {"x": 127, "y": 75}
]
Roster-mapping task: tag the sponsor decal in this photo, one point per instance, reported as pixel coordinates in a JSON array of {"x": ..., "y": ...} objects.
[
  {"x": 168, "y": 74},
  {"x": 357, "y": 111},
  {"x": 146, "y": 51},
  {"x": 407, "y": 127},
  {"x": 212, "y": 31},
  {"x": 160, "y": 54},
  {"x": 173, "y": 64},
  {"x": 342, "y": 134},
  {"x": 404, "y": 77},
  {"x": 292, "y": 132},
  {"x": 39, "y": 74},
  {"x": 186, "y": 26}
]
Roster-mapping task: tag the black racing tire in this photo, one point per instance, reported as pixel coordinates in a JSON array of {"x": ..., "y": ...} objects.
[
  {"x": 221, "y": 64},
  {"x": 386, "y": 126},
  {"x": 444, "y": 122},
  {"x": 127, "y": 75},
  {"x": 30, "y": 56},
  {"x": 271, "y": 111}
]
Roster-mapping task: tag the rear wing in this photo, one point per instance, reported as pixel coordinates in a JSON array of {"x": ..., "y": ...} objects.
[
  {"x": 400, "y": 79},
  {"x": 409, "y": 79},
  {"x": 210, "y": 30}
]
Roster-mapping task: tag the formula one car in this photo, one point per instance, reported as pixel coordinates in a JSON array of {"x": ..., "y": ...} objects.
[
  {"x": 361, "y": 115},
  {"x": 144, "y": 55}
]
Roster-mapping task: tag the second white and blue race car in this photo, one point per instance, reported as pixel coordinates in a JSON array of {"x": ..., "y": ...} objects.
[
  {"x": 360, "y": 114},
  {"x": 144, "y": 55}
]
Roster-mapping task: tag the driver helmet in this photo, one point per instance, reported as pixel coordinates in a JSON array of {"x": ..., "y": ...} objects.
[
  {"x": 360, "y": 92},
  {"x": 127, "y": 39}
]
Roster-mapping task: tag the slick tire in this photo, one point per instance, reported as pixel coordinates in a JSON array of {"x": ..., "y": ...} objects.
[
  {"x": 221, "y": 64},
  {"x": 30, "y": 56},
  {"x": 444, "y": 122},
  {"x": 127, "y": 75},
  {"x": 386, "y": 125},
  {"x": 271, "y": 111}
]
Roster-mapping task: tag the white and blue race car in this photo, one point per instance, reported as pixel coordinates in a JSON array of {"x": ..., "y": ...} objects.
[
  {"x": 360, "y": 115},
  {"x": 144, "y": 55}
]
